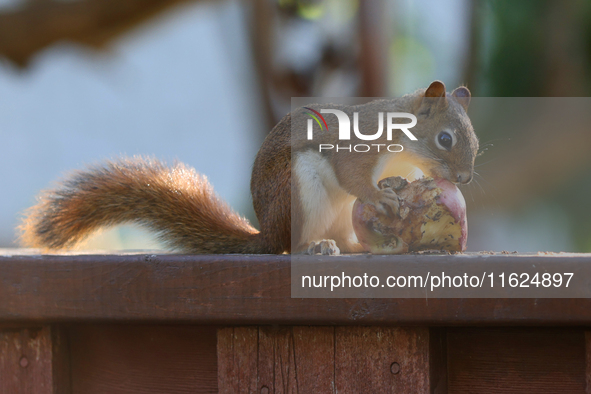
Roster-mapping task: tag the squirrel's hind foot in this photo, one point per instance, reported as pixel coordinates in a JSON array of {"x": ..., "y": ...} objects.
[{"x": 326, "y": 247}]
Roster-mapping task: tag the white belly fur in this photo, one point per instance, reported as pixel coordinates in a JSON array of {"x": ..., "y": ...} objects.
[
  {"x": 323, "y": 199},
  {"x": 321, "y": 196}
]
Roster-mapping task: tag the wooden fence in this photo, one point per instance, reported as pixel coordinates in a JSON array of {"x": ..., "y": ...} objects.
[{"x": 202, "y": 324}]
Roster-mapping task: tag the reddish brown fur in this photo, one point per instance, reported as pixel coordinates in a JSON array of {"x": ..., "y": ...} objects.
[
  {"x": 182, "y": 208},
  {"x": 270, "y": 186},
  {"x": 176, "y": 202}
]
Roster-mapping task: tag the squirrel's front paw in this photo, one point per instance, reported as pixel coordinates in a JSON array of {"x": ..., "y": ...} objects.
[
  {"x": 326, "y": 247},
  {"x": 386, "y": 202}
]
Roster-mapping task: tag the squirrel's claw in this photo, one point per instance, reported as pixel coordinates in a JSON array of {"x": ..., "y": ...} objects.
[
  {"x": 387, "y": 202},
  {"x": 326, "y": 247}
]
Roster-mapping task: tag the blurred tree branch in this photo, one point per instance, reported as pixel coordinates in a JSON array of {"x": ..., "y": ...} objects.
[
  {"x": 374, "y": 48},
  {"x": 39, "y": 23},
  {"x": 261, "y": 19}
]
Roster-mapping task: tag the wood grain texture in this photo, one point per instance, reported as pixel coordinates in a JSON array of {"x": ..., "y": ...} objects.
[
  {"x": 132, "y": 359},
  {"x": 296, "y": 359},
  {"x": 33, "y": 360},
  {"x": 382, "y": 360},
  {"x": 516, "y": 360},
  {"x": 279, "y": 360},
  {"x": 315, "y": 358},
  {"x": 438, "y": 360},
  {"x": 302, "y": 359},
  {"x": 237, "y": 359},
  {"x": 278, "y": 369},
  {"x": 241, "y": 290},
  {"x": 588, "y": 362},
  {"x": 61, "y": 360}
]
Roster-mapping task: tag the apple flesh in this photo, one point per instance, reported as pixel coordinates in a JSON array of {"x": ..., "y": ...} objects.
[{"x": 431, "y": 216}]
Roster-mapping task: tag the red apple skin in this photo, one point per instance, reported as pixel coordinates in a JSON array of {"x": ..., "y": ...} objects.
[
  {"x": 432, "y": 216},
  {"x": 453, "y": 199}
]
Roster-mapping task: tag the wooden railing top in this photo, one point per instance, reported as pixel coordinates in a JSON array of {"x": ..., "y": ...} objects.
[{"x": 235, "y": 289}]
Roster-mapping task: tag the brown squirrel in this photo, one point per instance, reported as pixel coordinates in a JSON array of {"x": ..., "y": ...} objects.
[{"x": 302, "y": 197}]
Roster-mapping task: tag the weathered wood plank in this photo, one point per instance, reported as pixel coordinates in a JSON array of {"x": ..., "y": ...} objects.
[
  {"x": 237, "y": 359},
  {"x": 34, "y": 360},
  {"x": 438, "y": 360},
  {"x": 588, "y": 362},
  {"x": 266, "y": 359},
  {"x": 314, "y": 357},
  {"x": 61, "y": 360},
  {"x": 516, "y": 360},
  {"x": 296, "y": 359},
  {"x": 134, "y": 359},
  {"x": 326, "y": 360},
  {"x": 382, "y": 359},
  {"x": 235, "y": 290},
  {"x": 278, "y": 368}
]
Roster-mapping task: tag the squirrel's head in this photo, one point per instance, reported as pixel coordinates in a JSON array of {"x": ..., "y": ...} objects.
[{"x": 449, "y": 145}]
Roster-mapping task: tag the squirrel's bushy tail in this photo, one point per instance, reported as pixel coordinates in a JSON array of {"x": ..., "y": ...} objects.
[{"x": 176, "y": 202}]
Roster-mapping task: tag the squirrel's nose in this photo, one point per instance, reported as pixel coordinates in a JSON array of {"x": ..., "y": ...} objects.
[{"x": 464, "y": 177}]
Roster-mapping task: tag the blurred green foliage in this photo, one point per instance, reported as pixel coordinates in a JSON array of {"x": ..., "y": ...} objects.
[
  {"x": 533, "y": 42},
  {"x": 518, "y": 47},
  {"x": 540, "y": 48}
]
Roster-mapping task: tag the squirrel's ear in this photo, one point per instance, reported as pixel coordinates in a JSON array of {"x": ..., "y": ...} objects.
[
  {"x": 462, "y": 95},
  {"x": 435, "y": 90},
  {"x": 433, "y": 99}
]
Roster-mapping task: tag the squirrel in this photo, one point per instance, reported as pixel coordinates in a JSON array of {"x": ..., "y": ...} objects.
[{"x": 302, "y": 197}]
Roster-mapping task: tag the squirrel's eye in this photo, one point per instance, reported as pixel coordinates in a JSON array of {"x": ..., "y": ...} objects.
[{"x": 444, "y": 140}]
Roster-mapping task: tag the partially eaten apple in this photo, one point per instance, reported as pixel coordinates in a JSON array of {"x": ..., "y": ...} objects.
[{"x": 431, "y": 216}]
